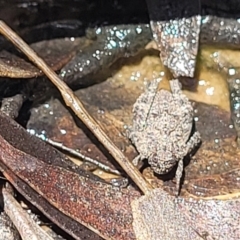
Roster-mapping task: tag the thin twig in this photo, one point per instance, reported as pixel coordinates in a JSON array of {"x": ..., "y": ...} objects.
[
  {"x": 77, "y": 107},
  {"x": 104, "y": 167},
  {"x": 26, "y": 226}
]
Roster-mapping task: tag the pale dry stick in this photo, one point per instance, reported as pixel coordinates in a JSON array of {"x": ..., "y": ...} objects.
[
  {"x": 75, "y": 104},
  {"x": 28, "y": 229},
  {"x": 75, "y": 153}
]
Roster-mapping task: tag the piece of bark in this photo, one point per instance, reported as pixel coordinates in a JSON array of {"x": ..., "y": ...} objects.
[
  {"x": 161, "y": 216},
  {"x": 12, "y": 105}
]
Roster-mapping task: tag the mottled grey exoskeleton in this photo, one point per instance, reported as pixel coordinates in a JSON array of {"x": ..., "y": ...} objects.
[{"x": 161, "y": 130}]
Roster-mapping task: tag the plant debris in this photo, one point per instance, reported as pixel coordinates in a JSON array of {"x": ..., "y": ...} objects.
[
  {"x": 52, "y": 183},
  {"x": 25, "y": 225},
  {"x": 160, "y": 215},
  {"x": 7, "y": 229}
]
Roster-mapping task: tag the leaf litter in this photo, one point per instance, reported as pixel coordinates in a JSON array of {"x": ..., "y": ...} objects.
[{"x": 219, "y": 145}]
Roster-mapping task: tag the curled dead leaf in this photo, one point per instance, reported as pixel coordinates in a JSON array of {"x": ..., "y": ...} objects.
[{"x": 99, "y": 206}]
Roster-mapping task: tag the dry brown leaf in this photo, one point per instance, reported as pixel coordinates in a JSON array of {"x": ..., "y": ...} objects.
[
  {"x": 55, "y": 52},
  {"x": 53, "y": 120},
  {"x": 66, "y": 194}
]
